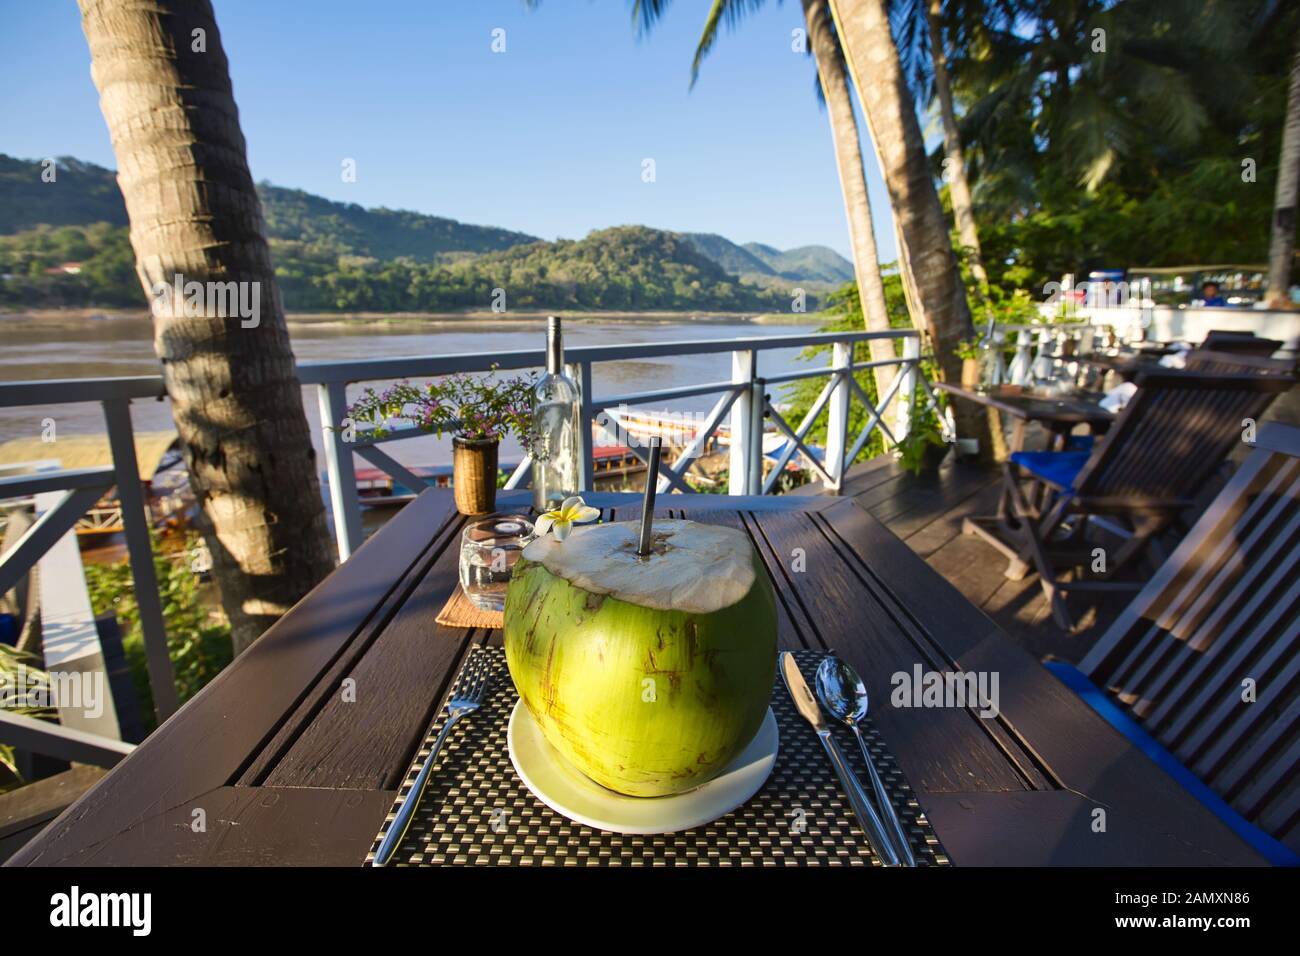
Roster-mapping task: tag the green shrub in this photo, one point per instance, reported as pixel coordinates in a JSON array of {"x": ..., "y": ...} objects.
[
  {"x": 198, "y": 639},
  {"x": 14, "y": 663}
]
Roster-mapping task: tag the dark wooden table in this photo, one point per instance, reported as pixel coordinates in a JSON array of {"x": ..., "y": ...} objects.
[
  {"x": 293, "y": 754},
  {"x": 1059, "y": 416},
  {"x": 1126, "y": 366}
]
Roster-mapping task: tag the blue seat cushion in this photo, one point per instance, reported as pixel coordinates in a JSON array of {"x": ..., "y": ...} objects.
[
  {"x": 1270, "y": 848},
  {"x": 1080, "y": 442},
  {"x": 1058, "y": 467}
]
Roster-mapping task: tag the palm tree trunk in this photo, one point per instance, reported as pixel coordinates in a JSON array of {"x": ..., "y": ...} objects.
[
  {"x": 853, "y": 183},
  {"x": 1281, "y": 247},
  {"x": 887, "y": 103},
  {"x": 165, "y": 93},
  {"x": 963, "y": 210},
  {"x": 958, "y": 185}
]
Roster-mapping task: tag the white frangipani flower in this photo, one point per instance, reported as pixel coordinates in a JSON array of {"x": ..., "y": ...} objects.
[{"x": 562, "y": 519}]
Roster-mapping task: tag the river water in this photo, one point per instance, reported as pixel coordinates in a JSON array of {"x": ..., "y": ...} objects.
[{"x": 114, "y": 346}]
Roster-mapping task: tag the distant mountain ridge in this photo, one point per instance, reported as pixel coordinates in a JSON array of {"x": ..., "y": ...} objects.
[
  {"x": 733, "y": 258},
  {"x": 803, "y": 264},
  {"x": 83, "y": 193}
]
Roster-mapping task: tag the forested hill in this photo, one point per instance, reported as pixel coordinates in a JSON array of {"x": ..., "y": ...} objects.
[
  {"x": 65, "y": 243},
  {"x": 381, "y": 233},
  {"x": 82, "y": 193},
  {"x": 626, "y": 268},
  {"x": 77, "y": 195}
]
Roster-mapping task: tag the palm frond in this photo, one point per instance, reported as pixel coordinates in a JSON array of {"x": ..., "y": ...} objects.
[
  {"x": 708, "y": 36},
  {"x": 909, "y": 22},
  {"x": 645, "y": 13},
  {"x": 730, "y": 12}
]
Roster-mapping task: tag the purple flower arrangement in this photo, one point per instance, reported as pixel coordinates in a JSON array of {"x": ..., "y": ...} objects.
[{"x": 473, "y": 407}]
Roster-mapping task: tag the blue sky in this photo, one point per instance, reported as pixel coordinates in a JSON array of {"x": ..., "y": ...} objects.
[{"x": 547, "y": 138}]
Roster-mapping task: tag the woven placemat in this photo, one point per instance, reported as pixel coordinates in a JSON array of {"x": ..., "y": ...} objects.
[
  {"x": 459, "y": 612},
  {"x": 476, "y": 810}
]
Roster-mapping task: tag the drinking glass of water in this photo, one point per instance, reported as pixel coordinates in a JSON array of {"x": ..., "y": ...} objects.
[{"x": 488, "y": 552}]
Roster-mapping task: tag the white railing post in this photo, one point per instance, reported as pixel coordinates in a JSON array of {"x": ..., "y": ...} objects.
[
  {"x": 135, "y": 526},
  {"x": 743, "y": 369},
  {"x": 757, "y": 414},
  {"x": 581, "y": 374},
  {"x": 907, "y": 390},
  {"x": 837, "y": 417},
  {"x": 338, "y": 461}
]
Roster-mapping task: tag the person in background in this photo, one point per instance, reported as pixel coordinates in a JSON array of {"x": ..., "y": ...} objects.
[{"x": 1210, "y": 294}]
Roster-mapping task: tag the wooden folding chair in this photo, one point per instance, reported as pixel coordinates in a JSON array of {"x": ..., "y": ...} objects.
[
  {"x": 1202, "y": 670},
  {"x": 1167, "y": 441}
]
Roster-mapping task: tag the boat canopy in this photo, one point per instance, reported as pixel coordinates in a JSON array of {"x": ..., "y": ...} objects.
[{"x": 88, "y": 451}]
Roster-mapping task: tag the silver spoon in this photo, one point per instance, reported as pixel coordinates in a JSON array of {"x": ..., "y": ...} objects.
[{"x": 844, "y": 696}]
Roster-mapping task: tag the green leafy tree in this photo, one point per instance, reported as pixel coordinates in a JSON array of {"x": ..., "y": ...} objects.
[
  {"x": 1129, "y": 133},
  {"x": 844, "y": 314}
]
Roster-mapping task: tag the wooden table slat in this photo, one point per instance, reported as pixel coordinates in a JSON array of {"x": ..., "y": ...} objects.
[
  {"x": 440, "y": 539},
  {"x": 366, "y": 742},
  {"x": 938, "y": 748},
  {"x": 882, "y": 577}
]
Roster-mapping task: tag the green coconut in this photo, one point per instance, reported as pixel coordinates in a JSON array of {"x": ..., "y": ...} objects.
[{"x": 649, "y": 674}]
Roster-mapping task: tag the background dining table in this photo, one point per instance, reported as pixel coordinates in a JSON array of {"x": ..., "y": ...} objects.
[
  {"x": 1059, "y": 414},
  {"x": 295, "y": 753},
  {"x": 1126, "y": 365}
]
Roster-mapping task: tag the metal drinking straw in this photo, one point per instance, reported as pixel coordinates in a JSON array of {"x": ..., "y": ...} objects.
[{"x": 648, "y": 505}]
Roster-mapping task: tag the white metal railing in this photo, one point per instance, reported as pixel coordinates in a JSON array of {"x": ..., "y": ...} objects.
[
  {"x": 79, "y": 490},
  {"x": 1039, "y": 347},
  {"x": 742, "y": 401}
]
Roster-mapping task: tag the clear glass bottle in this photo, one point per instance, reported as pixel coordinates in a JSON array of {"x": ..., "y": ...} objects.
[{"x": 556, "y": 413}]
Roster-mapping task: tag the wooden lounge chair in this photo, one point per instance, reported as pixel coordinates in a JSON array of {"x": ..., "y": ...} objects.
[
  {"x": 1241, "y": 343},
  {"x": 1148, "y": 468},
  {"x": 1202, "y": 670},
  {"x": 1209, "y": 361}
]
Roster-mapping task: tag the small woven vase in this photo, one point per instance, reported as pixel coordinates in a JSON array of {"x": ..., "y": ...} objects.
[{"x": 474, "y": 474}]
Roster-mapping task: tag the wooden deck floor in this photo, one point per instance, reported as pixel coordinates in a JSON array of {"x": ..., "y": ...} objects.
[{"x": 927, "y": 513}]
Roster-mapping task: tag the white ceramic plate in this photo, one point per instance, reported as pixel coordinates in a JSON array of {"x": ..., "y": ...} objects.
[{"x": 559, "y": 785}]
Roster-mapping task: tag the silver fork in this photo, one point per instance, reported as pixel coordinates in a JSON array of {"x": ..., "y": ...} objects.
[{"x": 465, "y": 702}]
